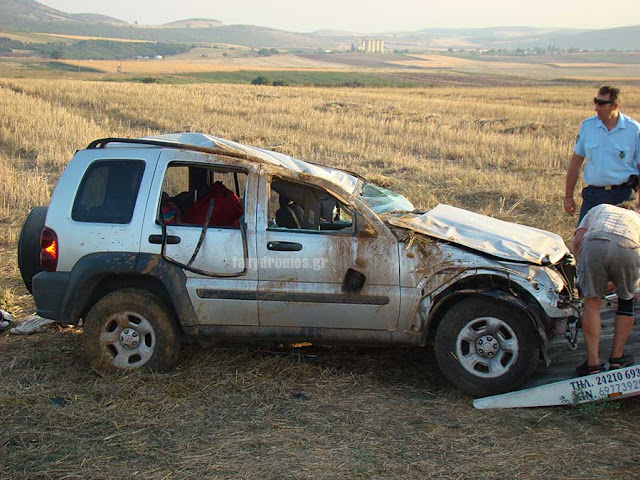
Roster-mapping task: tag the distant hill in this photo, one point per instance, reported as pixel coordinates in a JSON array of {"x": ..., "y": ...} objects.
[
  {"x": 96, "y": 18},
  {"x": 490, "y": 32},
  {"x": 336, "y": 33},
  {"x": 194, "y": 23},
  {"x": 26, "y": 10},
  {"x": 621, "y": 38},
  {"x": 32, "y": 16}
]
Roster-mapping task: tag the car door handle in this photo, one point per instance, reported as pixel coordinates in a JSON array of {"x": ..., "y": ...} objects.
[
  {"x": 284, "y": 246},
  {"x": 171, "y": 239}
]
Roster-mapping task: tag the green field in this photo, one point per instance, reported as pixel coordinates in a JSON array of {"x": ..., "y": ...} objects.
[{"x": 293, "y": 78}]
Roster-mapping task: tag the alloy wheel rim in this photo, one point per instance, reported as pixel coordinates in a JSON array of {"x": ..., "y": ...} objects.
[
  {"x": 127, "y": 340},
  {"x": 487, "y": 347}
]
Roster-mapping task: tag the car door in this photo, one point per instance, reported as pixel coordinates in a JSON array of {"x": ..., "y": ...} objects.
[
  {"x": 221, "y": 288},
  {"x": 302, "y": 267}
]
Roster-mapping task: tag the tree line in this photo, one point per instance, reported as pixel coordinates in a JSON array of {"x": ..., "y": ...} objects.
[{"x": 95, "y": 49}]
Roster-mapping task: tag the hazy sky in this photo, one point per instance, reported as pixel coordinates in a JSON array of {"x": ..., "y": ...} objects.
[{"x": 370, "y": 15}]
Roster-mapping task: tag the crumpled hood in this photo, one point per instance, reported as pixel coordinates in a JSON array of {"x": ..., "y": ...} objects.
[{"x": 505, "y": 240}]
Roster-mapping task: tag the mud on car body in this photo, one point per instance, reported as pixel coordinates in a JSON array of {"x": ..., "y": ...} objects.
[{"x": 313, "y": 254}]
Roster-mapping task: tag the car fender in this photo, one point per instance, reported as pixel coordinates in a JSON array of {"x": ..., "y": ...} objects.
[
  {"x": 501, "y": 297},
  {"x": 96, "y": 274}
]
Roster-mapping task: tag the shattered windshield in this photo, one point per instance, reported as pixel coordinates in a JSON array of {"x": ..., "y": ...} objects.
[{"x": 381, "y": 200}]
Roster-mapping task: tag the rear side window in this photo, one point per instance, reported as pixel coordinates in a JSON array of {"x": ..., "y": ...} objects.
[
  {"x": 108, "y": 192},
  {"x": 189, "y": 190}
]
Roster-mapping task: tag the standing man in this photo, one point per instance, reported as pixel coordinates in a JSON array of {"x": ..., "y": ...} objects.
[
  {"x": 607, "y": 244},
  {"x": 610, "y": 142}
]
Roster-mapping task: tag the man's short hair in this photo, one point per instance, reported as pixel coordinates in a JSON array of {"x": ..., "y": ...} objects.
[{"x": 614, "y": 92}]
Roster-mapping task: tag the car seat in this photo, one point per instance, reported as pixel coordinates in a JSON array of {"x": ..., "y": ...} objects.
[{"x": 289, "y": 215}]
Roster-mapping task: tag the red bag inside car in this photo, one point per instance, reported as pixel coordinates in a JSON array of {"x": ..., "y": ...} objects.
[{"x": 227, "y": 208}]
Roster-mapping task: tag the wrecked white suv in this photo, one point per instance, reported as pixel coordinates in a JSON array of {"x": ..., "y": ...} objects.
[{"x": 311, "y": 254}]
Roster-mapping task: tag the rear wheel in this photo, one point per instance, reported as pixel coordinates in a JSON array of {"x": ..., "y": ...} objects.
[
  {"x": 130, "y": 329},
  {"x": 485, "y": 348},
  {"x": 29, "y": 246}
]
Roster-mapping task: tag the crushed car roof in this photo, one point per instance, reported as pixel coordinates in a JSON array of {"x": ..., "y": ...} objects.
[
  {"x": 345, "y": 180},
  {"x": 509, "y": 241}
]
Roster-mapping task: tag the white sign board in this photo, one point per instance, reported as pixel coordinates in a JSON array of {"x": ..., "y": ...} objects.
[{"x": 613, "y": 385}]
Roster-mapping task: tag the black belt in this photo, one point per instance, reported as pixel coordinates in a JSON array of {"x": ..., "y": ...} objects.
[
  {"x": 609, "y": 187},
  {"x": 631, "y": 183}
]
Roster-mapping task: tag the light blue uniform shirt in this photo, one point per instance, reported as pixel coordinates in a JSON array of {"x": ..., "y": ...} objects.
[{"x": 610, "y": 156}]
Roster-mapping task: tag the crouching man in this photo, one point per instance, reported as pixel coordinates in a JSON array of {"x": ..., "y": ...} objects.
[{"x": 607, "y": 244}]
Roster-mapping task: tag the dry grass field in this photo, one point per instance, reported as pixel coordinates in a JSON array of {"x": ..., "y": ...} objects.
[
  {"x": 319, "y": 413},
  {"x": 62, "y": 37},
  {"x": 525, "y": 67},
  {"x": 214, "y": 62},
  {"x": 217, "y": 64}
]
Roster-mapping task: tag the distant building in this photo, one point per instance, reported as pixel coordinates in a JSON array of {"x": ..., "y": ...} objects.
[{"x": 369, "y": 45}]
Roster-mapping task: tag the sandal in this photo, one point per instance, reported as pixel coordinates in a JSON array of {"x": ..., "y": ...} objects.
[
  {"x": 583, "y": 369},
  {"x": 621, "y": 362}
]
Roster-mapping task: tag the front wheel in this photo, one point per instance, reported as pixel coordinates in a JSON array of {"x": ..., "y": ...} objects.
[
  {"x": 130, "y": 329},
  {"x": 485, "y": 348}
]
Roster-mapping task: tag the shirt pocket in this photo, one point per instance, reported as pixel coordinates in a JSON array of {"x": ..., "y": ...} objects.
[
  {"x": 622, "y": 151},
  {"x": 591, "y": 149}
]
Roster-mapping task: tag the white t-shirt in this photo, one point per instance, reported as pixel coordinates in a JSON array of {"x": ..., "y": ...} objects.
[{"x": 612, "y": 219}]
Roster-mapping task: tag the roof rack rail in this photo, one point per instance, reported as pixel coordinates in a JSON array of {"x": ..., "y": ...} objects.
[{"x": 102, "y": 143}]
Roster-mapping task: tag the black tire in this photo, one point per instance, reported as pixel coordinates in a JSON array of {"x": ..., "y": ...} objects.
[
  {"x": 29, "y": 246},
  {"x": 484, "y": 347},
  {"x": 131, "y": 329}
]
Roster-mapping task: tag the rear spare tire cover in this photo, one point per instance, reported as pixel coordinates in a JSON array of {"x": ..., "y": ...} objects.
[{"x": 29, "y": 245}]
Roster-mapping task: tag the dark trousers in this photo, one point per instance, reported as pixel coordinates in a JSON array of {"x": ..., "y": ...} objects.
[{"x": 592, "y": 196}]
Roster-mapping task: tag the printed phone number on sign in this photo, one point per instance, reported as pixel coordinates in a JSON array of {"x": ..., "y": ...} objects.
[{"x": 610, "y": 383}]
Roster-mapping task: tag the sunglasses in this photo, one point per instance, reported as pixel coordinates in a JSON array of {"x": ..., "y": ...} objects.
[{"x": 597, "y": 101}]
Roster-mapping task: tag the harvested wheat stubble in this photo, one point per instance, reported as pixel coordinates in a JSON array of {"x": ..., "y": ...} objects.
[
  {"x": 263, "y": 413},
  {"x": 256, "y": 412}
]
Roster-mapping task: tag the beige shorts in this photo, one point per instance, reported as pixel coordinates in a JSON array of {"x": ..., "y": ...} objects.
[{"x": 605, "y": 257}]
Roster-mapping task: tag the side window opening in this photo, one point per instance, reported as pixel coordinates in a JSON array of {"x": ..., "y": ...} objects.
[
  {"x": 108, "y": 192},
  {"x": 188, "y": 192},
  {"x": 305, "y": 208}
]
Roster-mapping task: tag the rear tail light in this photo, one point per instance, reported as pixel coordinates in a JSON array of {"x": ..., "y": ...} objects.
[{"x": 49, "y": 252}]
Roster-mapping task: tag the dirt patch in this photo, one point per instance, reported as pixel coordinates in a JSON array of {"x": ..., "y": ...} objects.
[
  {"x": 528, "y": 128},
  {"x": 338, "y": 107},
  {"x": 462, "y": 80},
  {"x": 485, "y": 122},
  {"x": 361, "y": 60}
]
